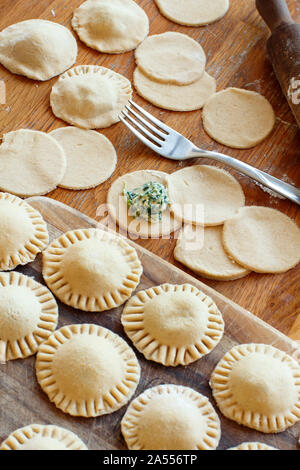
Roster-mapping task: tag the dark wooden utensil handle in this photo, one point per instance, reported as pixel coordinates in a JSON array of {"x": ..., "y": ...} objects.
[{"x": 274, "y": 12}]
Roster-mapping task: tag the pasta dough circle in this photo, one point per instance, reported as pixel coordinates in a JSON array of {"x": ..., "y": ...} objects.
[
  {"x": 171, "y": 58},
  {"x": 87, "y": 370},
  {"x": 118, "y": 210},
  {"x": 111, "y": 26},
  {"x": 32, "y": 163},
  {"x": 175, "y": 97},
  {"x": 91, "y": 269},
  {"x": 43, "y": 437},
  {"x": 38, "y": 49},
  {"x": 171, "y": 417},
  {"x": 91, "y": 157},
  {"x": 90, "y": 97},
  {"x": 203, "y": 253},
  {"x": 173, "y": 324},
  {"x": 258, "y": 386},
  {"x": 262, "y": 239},
  {"x": 28, "y": 314},
  {"x": 193, "y": 12},
  {"x": 23, "y": 232},
  {"x": 238, "y": 118},
  {"x": 204, "y": 195}
]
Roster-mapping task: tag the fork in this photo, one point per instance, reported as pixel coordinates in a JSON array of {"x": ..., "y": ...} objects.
[{"x": 170, "y": 144}]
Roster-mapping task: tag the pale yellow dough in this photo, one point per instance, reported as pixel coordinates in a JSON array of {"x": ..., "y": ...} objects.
[
  {"x": 91, "y": 157},
  {"x": 28, "y": 315},
  {"x": 171, "y": 58},
  {"x": 202, "y": 251},
  {"x": 32, "y": 163},
  {"x": 111, "y": 26},
  {"x": 118, "y": 210},
  {"x": 91, "y": 270},
  {"x": 258, "y": 386},
  {"x": 171, "y": 417},
  {"x": 23, "y": 232},
  {"x": 204, "y": 195},
  {"x": 238, "y": 118},
  {"x": 193, "y": 12},
  {"x": 43, "y": 437},
  {"x": 173, "y": 324},
  {"x": 90, "y": 96},
  {"x": 38, "y": 49},
  {"x": 87, "y": 370},
  {"x": 175, "y": 97},
  {"x": 253, "y": 446},
  {"x": 262, "y": 239}
]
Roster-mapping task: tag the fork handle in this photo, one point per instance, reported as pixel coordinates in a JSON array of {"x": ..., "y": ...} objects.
[{"x": 275, "y": 184}]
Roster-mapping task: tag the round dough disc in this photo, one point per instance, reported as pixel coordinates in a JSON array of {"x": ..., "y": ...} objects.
[
  {"x": 201, "y": 250},
  {"x": 171, "y": 58},
  {"x": 204, "y": 195},
  {"x": 32, "y": 163},
  {"x": 193, "y": 12},
  {"x": 90, "y": 97},
  {"x": 111, "y": 26},
  {"x": 91, "y": 157},
  {"x": 175, "y": 97},
  {"x": 262, "y": 239},
  {"x": 238, "y": 118},
  {"x": 38, "y": 49},
  {"x": 118, "y": 210}
]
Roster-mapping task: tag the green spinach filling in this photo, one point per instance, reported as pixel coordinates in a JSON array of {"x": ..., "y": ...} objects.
[{"x": 147, "y": 202}]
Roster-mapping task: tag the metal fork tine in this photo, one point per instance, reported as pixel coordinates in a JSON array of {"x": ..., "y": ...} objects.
[
  {"x": 151, "y": 118},
  {"x": 146, "y": 123},
  {"x": 139, "y": 135},
  {"x": 142, "y": 128}
]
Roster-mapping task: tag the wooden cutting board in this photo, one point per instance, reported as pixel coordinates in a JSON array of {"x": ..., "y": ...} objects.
[
  {"x": 236, "y": 56},
  {"x": 22, "y": 402}
]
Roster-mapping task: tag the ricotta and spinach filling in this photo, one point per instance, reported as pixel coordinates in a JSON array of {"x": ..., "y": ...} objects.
[{"x": 147, "y": 202}]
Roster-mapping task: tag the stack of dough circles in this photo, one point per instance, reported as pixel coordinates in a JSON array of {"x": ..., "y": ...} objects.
[
  {"x": 28, "y": 315},
  {"x": 91, "y": 157},
  {"x": 38, "y": 49},
  {"x": 262, "y": 239},
  {"x": 43, "y": 437},
  {"x": 111, "y": 26},
  {"x": 238, "y": 118},
  {"x": 258, "y": 386},
  {"x": 87, "y": 370},
  {"x": 201, "y": 250},
  {"x": 173, "y": 324},
  {"x": 253, "y": 446},
  {"x": 91, "y": 270},
  {"x": 193, "y": 12},
  {"x": 90, "y": 96},
  {"x": 171, "y": 417},
  {"x": 23, "y": 232},
  {"x": 118, "y": 210},
  {"x": 32, "y": 163},
  {"x": 204, "y": 195},
  {"x": 171, "y": 73}
]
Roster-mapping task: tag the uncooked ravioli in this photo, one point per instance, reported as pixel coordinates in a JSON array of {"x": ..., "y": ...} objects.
[
  {"x": 193, "y": 12},
  {"x": 204, "y": 195},
  {"x": 111, "y": 26},
  {"x": 171, "y": 58},
  {"x": 32, "y": 163},
  {"x": 90, "y": 97},
  {"x": 262, "y": 239},
  {"x": 238, "y": 118},
  {"x": 38, "y": 49},
  {"x": 175, "y": 97},
  {"x": 91, "y": 157}
]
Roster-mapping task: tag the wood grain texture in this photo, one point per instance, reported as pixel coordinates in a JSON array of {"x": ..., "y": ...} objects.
[
  {"x": 236, "y": 51},
  {"x": 20, "y": 391}
]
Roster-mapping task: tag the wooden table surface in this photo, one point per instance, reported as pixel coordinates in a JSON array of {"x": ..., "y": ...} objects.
[{"x": 235, "y": 48}]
